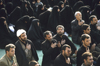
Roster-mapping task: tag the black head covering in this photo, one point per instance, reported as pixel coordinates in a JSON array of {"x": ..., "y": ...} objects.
[
  {"x": 9, "y": 7},
  {"x": 77, "y": 5},
  {"x": 60, "y": 3},
  {"x": 53, "y": 19},
  {"x": 85, "y": 10},
  {"x": 2, "y": 6},
  {"x": 14, "y": 15},
  {"x": 66, "y": 16},
  {"x": 6, "y": 36},
  {"x": 96, "y": 11},
  {"x": 17, "y": 3},
  {"x": 3, "y": 12},
  {"x": 43, "y": 17},
  {"x": 72, "y": 2},
  {"x": 22, "y": 23},
  {"x": 35, "y": 34}
]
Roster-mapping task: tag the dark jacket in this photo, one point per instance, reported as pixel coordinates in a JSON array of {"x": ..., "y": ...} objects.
[
  {"x": 21, "y": 56},
  {"x": 58, "y": 38},
  {"x": 76, "y": 31},
  {"x": 49, "y": 53},
  {"x": 60, "y": 61},
  {"x": 79, "y": 55}
]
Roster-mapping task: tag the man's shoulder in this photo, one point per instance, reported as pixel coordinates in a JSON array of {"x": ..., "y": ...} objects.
[
  {"x": 3, "y": 59},
  {"x": 55, "y": 36},
  {"x": 73, "y": 21},
  {"x": 44, "y": 42}
]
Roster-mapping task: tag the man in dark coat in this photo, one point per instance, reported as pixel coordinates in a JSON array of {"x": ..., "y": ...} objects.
[
  {"x": 25, "y": 50},
  {"x": 86, "y": 40},
  {"x": 50, "y": 49},
  {"x": 63, "y": 59},
  {"x": 63, "y": 39},
  {"x": 76, "y": 27}
]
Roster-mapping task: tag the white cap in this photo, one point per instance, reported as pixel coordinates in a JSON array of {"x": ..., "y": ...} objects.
[{"x": 20, "y": 31}]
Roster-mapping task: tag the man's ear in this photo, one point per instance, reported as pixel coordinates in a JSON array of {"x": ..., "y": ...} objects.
[{"x": 85, "y": 60}]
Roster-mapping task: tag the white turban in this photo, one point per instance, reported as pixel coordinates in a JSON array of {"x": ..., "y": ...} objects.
[{"x": 20, "y": 31}]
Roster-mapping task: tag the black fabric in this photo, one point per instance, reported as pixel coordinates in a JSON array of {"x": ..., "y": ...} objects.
[
  {"x": 43, "y": 17},
  {"x": 3, "y": 12},
  {"x": 66, "y": 16},
  {"x": 35, "y": 34},
  {"x": 64, "y": 37},
  {"x": 21, "y": 56},
  {"x": 49, "y": 53},
  {"x": 60, "y": 61},
  {"x": 2, "y": 6},
  {"x": 14, "y": 15},
  {"x": 53, "y": 19},
  {"x": 6, "y": 36},
  {"x": 39, "y": 11},
  {"x": 98, "y": 62},
  {"x": 77, "y": 5},
  {"x": 23, "y": 23},
  {"x": 72, "y": 2},
  {"x": 76, "y": 31},
  {"x": 9, "y": 7},
  {"x": 17, "y": 3},
  {"x": 96, "y": 11},
  {"x": 79, "y": 55},
  {"x": 59, "y": 4},
  {"x": 27, "y": 10},
  {"x": 85, "y": 14}
]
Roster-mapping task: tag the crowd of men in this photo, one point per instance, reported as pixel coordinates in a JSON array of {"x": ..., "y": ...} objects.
[{"x": 30, "y": 25}]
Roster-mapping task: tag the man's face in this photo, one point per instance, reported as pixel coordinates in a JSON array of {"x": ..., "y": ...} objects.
[
  {"x": 49, "y": 37},
  {"x": 23, "y": 37},
  {"x": 94, "y": 21},
  {"x": 87, "y": 42},
  {"x": 79, "y": 16},
  {"x": 11, "y": 52},
  {"x": 88, "y": 30},
  {"x": 37, "y": 65},
  {"x": 89, "y": 61},
  {"x": 60, "y": 31},
  {"x": 67, "y": 52},
  {"x": 62, "y": 5}
]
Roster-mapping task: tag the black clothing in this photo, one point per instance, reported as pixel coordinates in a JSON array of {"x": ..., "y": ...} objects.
[
  {"x": 77, "y": 5},
  {"x": 3, "y": 12},
  {"x": 85, "y": 14},
  {"x": 6, "y": 36},
  {"x": 23, "y": 23},
  {"x": 59, "y": 4},
  {"x": 66, "y": 16},
  {"x": 35, "y": 34},
  {"x": 64, "y": 37},
  {"x": 49, "y": 53},
  {"x": 43, "y": 17},
  {"x": 53, "y": 19},
  {"x": 60, "y": 61},
  {"x": 20, "y": 53},
  {"x": 98, "y": 61},
  {"x": 79, "y": 55},
  {"x": 76, "y": 31}
]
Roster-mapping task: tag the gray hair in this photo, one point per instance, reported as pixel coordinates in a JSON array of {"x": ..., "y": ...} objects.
[
  {"x": 77, "y": 12},
  {"x": 60, "y": 26}
]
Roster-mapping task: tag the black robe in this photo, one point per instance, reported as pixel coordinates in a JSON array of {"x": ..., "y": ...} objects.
[
  {"x": 21, "y": 56},
  {"x": 2, "y": 6},
  {"x": 66, "y": 16},
  {"x": 6, "y": 36},
  {"x": 53, "y": 19},
  {"x": 35, "y": 34},
  {"x": 43, "y": 17},
  {"x": 14, "y": 15},
  {"x": 23, "y": 23},
  {"x": 85, "y": 14},
  {"x": 96, "y": 11},
  {"x": 59, "y": 4},
  {"x": 77, "y": 5},
  {"x": 3, "y": 12}
]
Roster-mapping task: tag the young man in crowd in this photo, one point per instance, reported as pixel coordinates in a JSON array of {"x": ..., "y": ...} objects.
[{"x": 9, "y": 59}]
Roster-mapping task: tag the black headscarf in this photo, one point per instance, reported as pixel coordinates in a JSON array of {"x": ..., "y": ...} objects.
[
  {"x": 35, "y": 34},
  {"x": 96, "y": 11},
  {"x": 2, "y": 6},
  {"x": 66, "y": 16},
  {"x": 43, "y": 17},
  {"x": 77, "y": 5},
  {"x": 59, "y": 4},
  {"x": 22, "y": 23},
  {"x": 3, "y": 12},
  {"x": 85, "y": 10},
  {"x": 14, "y": 15},
  {"x": 6, "y": 36},
  {"x": 53, "y": 19},
  {"x": 9, "y": 7}
]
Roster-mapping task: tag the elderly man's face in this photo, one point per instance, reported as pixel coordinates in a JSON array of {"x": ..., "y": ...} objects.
[{"x": 79, "y": 16}]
